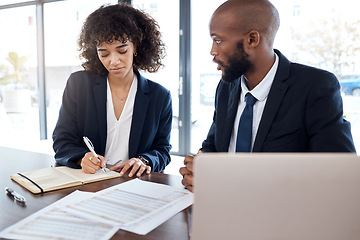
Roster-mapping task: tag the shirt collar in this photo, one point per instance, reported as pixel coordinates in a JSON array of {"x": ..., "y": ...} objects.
[{"x": 261, "y": 91}]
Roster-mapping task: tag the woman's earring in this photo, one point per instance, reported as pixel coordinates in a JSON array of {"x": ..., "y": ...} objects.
[{"x": 135, "y": 54}]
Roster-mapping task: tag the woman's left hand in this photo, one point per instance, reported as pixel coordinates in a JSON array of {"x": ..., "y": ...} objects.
[{"x": 137, "y": 167}]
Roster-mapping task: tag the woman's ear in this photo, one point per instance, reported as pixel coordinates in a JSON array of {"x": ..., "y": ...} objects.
[{"x": 135, "y": 52}]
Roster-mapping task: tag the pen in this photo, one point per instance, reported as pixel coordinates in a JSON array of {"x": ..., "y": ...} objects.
[
  {"x": 90, "y": 147},
  {"x": 16, "y": 196}
]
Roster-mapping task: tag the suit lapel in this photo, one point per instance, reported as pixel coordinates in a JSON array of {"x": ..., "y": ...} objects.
[
  {"x": 139, "y": 114},
  {"x": 276, "y": 95},
  {"x": 232, "y": 106},
  {"x": 100, "y": 93}
]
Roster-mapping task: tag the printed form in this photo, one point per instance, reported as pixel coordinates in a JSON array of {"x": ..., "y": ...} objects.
[
  {"x": 136, "y": 206},
  {"x": 54, "y": 223}
]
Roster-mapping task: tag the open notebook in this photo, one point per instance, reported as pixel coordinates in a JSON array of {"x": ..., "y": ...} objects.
[
  {"x": 54, "y": 178},
  {"x": 285, "y": 196}
]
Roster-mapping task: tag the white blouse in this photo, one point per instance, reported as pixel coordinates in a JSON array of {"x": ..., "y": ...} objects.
[{"x": 118, "y": 130}]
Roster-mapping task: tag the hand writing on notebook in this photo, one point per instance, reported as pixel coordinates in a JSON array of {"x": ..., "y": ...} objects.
[
  {"x": 136, "y": 166},
  {"x": 91, "y": 164},
  {"x": 187, "y": 172}
]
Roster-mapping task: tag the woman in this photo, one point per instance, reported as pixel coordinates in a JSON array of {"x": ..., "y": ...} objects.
[{"x": 126, "y": 116}]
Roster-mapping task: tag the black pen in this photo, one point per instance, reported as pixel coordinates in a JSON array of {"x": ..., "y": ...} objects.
[{"x": 16, "y": 196}]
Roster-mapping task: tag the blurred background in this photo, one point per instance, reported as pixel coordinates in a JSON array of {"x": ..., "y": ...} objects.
[{"x": 38, "y": 51}]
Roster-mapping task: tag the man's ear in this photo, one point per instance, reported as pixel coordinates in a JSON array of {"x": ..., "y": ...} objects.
[{"x": 253, "y": 38}]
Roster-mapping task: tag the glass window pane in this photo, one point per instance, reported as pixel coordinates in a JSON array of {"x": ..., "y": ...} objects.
[
  {"x": 61, "y": 49},
  {"x": 19, "y": 115},
  {"x": 61, "y": 58},
  {"x": 204, "y": 75},
  {"x": 5, "y": 2},
  {"x": 166, "y": 13},
  {"x": 327, "y": 39}
]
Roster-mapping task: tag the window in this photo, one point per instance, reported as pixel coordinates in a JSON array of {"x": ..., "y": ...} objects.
[
  {"x": 19, "y": 114},
  {"x": 334, "y": 31},
  {"x": 3, "y": 2},
  {"x": 61, "y": 49},
  {"x": 204, "y": 75},
  {"x": 166, "y": 13},
  {"x": 327, "y": 39},
  {"x": 303, "y": 30},
  {"x": 296, "y": 10},
  {"x": 20, "y": 128}
]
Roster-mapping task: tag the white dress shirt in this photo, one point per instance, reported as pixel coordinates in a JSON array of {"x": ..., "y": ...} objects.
[
  {"x": 260, "y": 92},
  {"x": 118, "y": 130}
]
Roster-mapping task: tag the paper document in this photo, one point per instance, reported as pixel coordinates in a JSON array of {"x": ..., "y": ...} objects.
[
  {"x": 131, "y": 202},
  {"x": 136, "y": 206},
  {"x": 54, "y": 223}
]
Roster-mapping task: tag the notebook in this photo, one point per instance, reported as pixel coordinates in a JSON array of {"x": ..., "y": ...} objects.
[
  {"x": 272, "y": 196},
  {"x": 55, "y": 178}
]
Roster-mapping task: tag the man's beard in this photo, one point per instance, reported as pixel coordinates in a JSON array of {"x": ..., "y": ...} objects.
[{"x": 238, "y": 64}]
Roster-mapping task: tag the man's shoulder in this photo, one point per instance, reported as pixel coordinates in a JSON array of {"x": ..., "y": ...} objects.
[
  {"x": 308, "y": 74},
  {"x": 307, "y": 68},
  {"x": 301, "y": 70}
]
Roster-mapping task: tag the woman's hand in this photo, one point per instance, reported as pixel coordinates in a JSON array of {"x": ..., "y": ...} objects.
[
  {"x": 90, "y": 164},
  {"x": 137, "y": 167}
]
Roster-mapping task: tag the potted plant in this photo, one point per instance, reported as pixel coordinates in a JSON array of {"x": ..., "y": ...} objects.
[{"x": 16, "y": 95}]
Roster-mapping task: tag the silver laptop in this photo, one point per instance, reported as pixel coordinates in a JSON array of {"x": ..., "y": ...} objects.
[{"x": 272, "y": 196}]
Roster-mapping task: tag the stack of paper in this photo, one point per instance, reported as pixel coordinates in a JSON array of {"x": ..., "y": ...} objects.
[{"x": 136, "y": 206}]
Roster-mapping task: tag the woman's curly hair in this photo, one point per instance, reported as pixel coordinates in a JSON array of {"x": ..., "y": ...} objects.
[{"x": 121, "y": 22}]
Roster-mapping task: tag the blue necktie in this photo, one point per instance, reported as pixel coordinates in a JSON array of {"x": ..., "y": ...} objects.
[{"x": 243, "y": 140}]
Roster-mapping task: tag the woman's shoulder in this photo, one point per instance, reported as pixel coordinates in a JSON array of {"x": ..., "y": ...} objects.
[
  {"x": 82, "y": 74},
  {"x": 153, "y": 86},
  {"x": 158, "y": 86},
  {"x": 84, "y": 78}
]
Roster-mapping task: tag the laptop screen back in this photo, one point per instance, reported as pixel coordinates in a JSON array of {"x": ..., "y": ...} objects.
[{"x": 276, "y": 196}]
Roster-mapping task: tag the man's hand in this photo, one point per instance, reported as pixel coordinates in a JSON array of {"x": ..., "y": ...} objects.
[{"x": 187, "y": 172}]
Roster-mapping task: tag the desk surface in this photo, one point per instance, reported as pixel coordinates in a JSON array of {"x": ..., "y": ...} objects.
[{"x": 13, "y": 160}]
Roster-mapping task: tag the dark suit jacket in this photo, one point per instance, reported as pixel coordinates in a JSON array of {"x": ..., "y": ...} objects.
[
  {"x": 303, "y": 113},
  {"x": 83, "y": 113}
]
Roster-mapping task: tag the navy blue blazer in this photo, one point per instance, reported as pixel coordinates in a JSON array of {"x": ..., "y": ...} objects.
[
  {"x": 303, "y": 113},
  {"x": 83, "y": 113}
]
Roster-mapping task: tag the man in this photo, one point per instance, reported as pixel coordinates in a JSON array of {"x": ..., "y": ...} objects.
[{"x": 297, "y": 108}]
